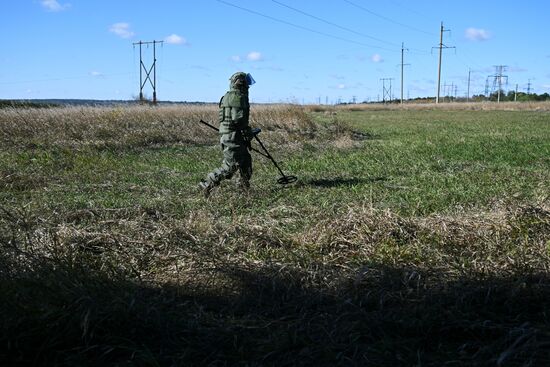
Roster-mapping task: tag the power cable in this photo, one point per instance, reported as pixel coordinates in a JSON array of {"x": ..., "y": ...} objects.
[
  {"x": 470, "y": 61},
  {"x": 333, "y": 24},
  {"x": 302, "y": 27},
  {"x": 409, "y": 9},
  {"x": 387, "y": 19}
]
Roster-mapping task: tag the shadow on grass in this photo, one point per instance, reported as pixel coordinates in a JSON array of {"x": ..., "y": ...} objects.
[
  {"x": 342, "y": 181},
  {"x": 56, "y": 314}
]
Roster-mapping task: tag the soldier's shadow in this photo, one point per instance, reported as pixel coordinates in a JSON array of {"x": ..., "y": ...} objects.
[{"x": 342, "y": 181}]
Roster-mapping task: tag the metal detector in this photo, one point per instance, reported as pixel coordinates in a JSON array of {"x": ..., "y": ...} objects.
[{"x": 284, "y": 179}]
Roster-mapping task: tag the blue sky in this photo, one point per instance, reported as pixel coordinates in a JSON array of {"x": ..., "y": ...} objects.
[{"x": 302, "y": 51}]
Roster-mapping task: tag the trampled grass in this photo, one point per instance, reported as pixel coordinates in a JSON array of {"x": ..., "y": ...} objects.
[{"x": 413, "y": 237}]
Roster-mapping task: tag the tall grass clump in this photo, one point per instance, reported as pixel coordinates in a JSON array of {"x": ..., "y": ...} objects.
[{"x": 134, "y": 126}]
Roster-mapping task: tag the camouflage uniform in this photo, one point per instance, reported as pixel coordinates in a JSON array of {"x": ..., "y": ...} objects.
[{"x": 234, "y": 110}]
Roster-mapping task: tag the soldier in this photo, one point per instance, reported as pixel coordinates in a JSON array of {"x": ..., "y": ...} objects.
[{"x": 234, "y": 110}]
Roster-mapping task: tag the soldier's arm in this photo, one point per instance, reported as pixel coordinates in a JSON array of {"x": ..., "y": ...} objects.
[{"x": 220, "y": 110}]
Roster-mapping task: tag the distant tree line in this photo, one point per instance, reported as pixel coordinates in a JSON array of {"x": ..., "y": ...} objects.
[
  {"x": 6, "y": 103},
  {"x": 504, "y": 97},
  {"x": 511, "y": 96}
]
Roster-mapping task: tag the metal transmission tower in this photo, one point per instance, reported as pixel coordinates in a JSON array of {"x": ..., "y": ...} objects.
[
  {"x": 403, "y": 49},
  {"x": 497, "y": 79},
  {"x": 441, "y": 47},
  {"x": 448, "y": 90},
  {"x": 143, "y": 68},
  {"x": 528, "y": 86},
  {"x": 386, "y": 91}
]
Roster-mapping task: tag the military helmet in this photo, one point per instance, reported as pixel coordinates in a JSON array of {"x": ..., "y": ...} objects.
[{"x": 240, "y": 79}]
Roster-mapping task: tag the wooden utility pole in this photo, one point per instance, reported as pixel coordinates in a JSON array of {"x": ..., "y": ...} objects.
[
  {"x": 441, "y": 47},
  {"x": 402, "y": 66},
  {"x": 468, "y": 93}
]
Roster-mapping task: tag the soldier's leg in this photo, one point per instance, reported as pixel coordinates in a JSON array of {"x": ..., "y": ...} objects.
[
  {"x": 228, "y": 167},
  {"x": 244, "y": 164}
]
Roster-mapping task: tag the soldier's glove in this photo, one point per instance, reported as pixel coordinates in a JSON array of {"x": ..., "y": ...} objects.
[{"x": 248, "y": 135}]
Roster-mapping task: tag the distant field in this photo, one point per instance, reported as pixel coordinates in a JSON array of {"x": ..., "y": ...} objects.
[{"x": 414, "y": 236}]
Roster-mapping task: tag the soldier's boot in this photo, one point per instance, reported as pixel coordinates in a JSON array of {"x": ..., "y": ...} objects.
[
  {"x": 243, "y": 180},
  {"x": 243, "y": 186},
  {"x": 206, "y": 188}
]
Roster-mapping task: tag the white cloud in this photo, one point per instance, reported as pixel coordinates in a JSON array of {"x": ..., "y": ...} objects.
[
  {"x": 376, "y": 58},
  {"x": 96, "y": 73},
  {"x": 122, "y": 30},
  {"x": 53, "y": 5},
  {"x": 477, "y": 34},
  {"x": 341, "y": 86},
  {"x": 174, "y": 39},
  {"x": 254, "y": 56}
]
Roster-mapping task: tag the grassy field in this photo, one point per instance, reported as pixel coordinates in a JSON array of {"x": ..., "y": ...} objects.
[{"x": 416, "y": 236}]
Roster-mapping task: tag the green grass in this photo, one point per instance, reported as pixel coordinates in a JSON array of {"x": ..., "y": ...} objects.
[{"x": 413, "y": 237}]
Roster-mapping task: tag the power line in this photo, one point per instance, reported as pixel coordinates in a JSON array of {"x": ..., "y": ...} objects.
[
  {"x": 528, "y": 89},
  {"x": 143, "y": 68},
  {"x": 441, "y": 47},
  {"x": 302, "y": 27},
  {"x": 387, "y": 19},
  {"x": 468, "y": 62},
  {"x": 403, "y": 49},
  {"x": 333, "y": 24},
  {"x": 386, "y": 91},
  {"x": 468, "y": 93},
  {"x": 409, "y": 9},
  {"x": 497, "y": 79}
]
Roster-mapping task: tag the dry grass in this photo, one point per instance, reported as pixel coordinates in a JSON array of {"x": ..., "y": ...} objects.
[
  {"x": 136, "y": 126},
  {"x": 135, "y": 285}
]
